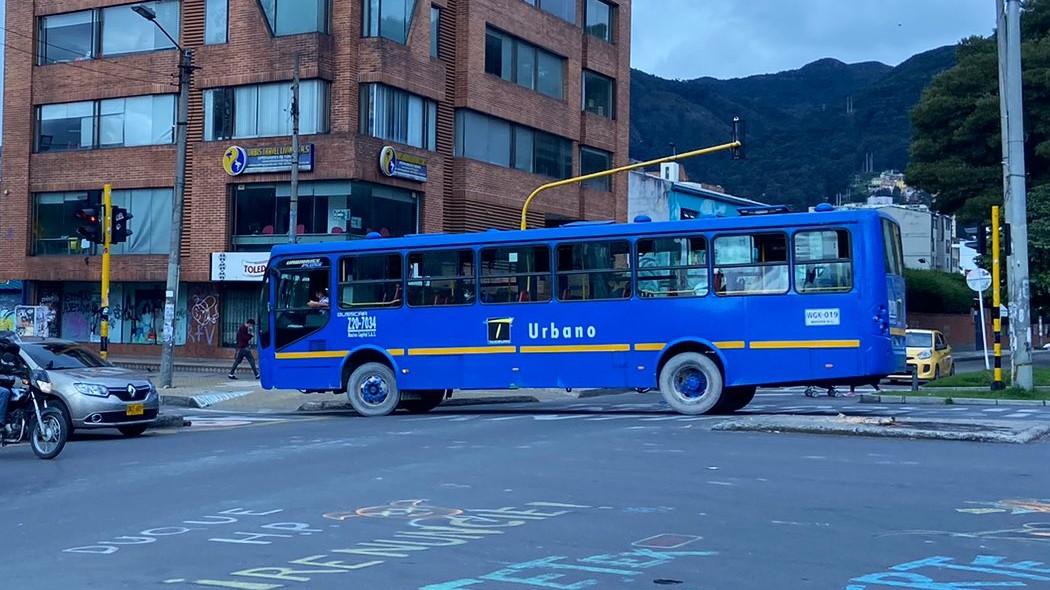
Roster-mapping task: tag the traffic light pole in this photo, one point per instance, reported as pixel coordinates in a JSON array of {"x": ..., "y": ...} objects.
[
  {"x": 171, "y": 290},
  {"x": 107, "y": 242}
]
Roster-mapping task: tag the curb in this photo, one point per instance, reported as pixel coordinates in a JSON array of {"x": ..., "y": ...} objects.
[
  {"x": 950, "y": 401},
  {"x": 887, "y": 428},
  {"x": 481, "y": 401},
  {"x": 170, "y": 421},
  {"x": 201, "y": 401}
]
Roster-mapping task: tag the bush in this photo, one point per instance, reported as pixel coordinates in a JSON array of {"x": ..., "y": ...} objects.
[{"x": 932, "y": 291}]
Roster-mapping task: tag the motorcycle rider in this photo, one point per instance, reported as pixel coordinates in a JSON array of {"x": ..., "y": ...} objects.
[{"x": 7, "y": 381}]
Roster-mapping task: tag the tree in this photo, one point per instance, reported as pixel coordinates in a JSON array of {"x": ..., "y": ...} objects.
[{"x": 956, "y": 150}]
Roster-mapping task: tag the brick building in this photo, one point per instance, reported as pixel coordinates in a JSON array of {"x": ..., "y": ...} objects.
[{"x": 493, "y": 97}]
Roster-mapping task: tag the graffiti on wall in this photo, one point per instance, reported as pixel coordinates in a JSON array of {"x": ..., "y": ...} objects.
[{"x": 204, "y": 318}]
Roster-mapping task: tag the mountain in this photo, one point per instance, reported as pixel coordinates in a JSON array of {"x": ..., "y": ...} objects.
[{"x": 802, "y": 145}]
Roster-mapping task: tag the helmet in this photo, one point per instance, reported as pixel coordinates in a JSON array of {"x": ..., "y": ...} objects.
[{"x": 9, "y": 345}]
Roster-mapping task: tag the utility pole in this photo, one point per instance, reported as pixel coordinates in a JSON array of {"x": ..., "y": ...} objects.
[
  {"x": 293, "y": 211},
  {"x": 1015, "y": 195},
  {"x": 171, "y": 290}
]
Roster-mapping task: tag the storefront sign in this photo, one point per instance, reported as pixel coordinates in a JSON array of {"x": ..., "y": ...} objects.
[
  {"x": 401, "y": 165},
  {"x": 238, "y": 266},
  {"x": 258, "y": 160}
]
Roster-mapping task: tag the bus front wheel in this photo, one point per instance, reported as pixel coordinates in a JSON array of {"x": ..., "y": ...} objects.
[
  {"x": 372, "y": 390},
  {"x": 691, "y": 383}
]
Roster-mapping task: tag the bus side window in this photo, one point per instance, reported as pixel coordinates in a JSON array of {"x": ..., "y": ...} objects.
[
  {"x": 823, "y": 262},
  {"x": 442, "y": 277},
  {"x": 594, "y": 271},
  {"x": 516, "y": 274},
  {"x": 371, "y": 280},
  {"x": 751, "y": 264},
  {"x": 672, "y": 267},
  {"x": 300, "y": 283}
]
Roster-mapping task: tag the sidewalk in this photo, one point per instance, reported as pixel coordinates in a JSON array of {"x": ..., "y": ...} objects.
[{"x": 196, "y": 390}]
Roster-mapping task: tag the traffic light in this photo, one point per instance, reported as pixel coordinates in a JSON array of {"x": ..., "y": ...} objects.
[
  {"x": 119, "y": 231},
  {"x": 89, "y": 224},
  {"x": 982, "y": 240}
]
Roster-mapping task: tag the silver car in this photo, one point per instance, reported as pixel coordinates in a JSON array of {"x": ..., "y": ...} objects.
[{"x": 95, "y": 393}]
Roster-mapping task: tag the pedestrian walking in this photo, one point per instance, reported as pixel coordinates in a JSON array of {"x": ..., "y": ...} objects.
[{"x": 244, "y": 351}]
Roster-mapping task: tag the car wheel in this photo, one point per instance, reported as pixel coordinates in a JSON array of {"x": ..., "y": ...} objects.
[
  {"x": 691, "y": 383},
  {"x": 372, "y": 390},
  {"x": 937, "y": 373},
  {"x": 951, "y": 371},
  {"x": 133, "y": 431}
]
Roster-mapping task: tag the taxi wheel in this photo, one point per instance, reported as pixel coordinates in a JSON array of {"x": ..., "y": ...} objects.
[
  {"x": 951, "y": 371},
  {"x": 937, "y": 373}
]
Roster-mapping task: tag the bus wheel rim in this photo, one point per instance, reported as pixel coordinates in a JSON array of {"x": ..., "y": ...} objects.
[
  {"x": 690, "y": 384},
  {"x": 374, "y": 390}
]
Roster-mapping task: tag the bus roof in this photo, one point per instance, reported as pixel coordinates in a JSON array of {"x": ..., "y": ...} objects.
[{"x": 585, "y": 230}]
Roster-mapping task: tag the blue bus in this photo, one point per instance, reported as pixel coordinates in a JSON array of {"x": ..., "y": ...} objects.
[{"x": 704, "y": 310}]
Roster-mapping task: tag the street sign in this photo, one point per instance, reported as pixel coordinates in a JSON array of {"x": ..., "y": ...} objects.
[{"x": 979, "y": 280}]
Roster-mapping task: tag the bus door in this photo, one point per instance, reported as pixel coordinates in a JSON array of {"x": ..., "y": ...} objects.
[
  {"x": 832, "y": 313},
  {"x": 895, "y": 289},
  {"x": 301, "y": 310}
]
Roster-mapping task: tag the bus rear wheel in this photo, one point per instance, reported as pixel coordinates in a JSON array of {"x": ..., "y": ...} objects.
[
  {"x": 691, "y": 383},
  {"x": 428, "y": 400},
  {"x": 372, "y": 390},
  {"x": 735, "y": 399}
]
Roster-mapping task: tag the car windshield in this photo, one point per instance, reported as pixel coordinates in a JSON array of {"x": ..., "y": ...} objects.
[
  {"x": 920, "y": 340},
  {"x": 62, "y": 356}
]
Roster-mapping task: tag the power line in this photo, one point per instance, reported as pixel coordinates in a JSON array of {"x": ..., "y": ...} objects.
[
  {"x": 73, "y": 51},
  {"x": 80, "y": 66}
]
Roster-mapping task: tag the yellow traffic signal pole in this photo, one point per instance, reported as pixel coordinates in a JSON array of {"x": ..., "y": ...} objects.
[
  {"x": 107, "y": 237},
  {"x": 703, "y": 152},
  {"x": 997, "y": 320}
]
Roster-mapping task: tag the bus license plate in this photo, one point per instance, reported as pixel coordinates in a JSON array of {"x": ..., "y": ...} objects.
[{"x": 136, "y": 410}]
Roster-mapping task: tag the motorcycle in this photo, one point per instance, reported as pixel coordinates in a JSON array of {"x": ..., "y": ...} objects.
[{"x": 29, "y": 418}]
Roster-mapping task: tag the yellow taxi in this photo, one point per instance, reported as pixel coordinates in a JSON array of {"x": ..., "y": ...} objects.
[{"x": 930, "y": 353}]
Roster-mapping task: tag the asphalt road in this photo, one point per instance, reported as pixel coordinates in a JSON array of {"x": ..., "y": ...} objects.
[{"x": 614, "y": 493}]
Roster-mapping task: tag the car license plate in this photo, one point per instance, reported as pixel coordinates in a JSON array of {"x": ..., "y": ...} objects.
[{"x": 136, "y": 409}]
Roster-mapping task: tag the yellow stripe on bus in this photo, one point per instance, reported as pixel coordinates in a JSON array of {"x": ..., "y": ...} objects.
[
  {"x": 576, "y": 348},
  {"x": 731, "y": 345},
  {"x": 396, "y": 351},
  {"x": 461, "y": 350},
  {"x": 316, "y": 354},
  {"x": 803, "y": 344},
  {"x": 650, "y": 347}
]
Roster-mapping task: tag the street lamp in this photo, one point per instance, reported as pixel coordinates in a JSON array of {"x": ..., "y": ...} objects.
[{"x": 171, "y": 291}]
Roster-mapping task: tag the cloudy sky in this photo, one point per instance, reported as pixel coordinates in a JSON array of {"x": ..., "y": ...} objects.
[{"x": 734, "y": 38}]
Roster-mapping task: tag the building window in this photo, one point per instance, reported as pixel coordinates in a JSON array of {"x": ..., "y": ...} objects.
[
  {"x": 484, "y": 138},
  {"x": 388, "y": 18},
  {"x": 216, "y": 21},
  {"x": 62, "y": 127},
  {"x": 444, "y": 277},
  {"x": 124, "y": 31},
  {"x": 516, "y": 274},
  {"x": 598, "y": 94},
  {"x": 563, "y": 9},
  {"x": 435, "y": 30},
  {"x": 328, "y": 211},
  {"x": 521, "y": 62},
  {"x": 594, "y": 270},
  {"x": 599, "y": 19},
  {"x": 672, "y": 267},
  {"x": 393, "y": 114},
  {"x": 54, "y": 227},
  {"x": 67, "y": 37},
  {"x": 295, "y": 17},
  {"x": 822, "y": 262},
  {"x": 370, "y": 280},
  {"x": 264, "y": 110},
  {"x": 594, "y": 160},
  {"x": 751, "y": 265},
  {"x": 142, "y": 120},
  {"x": 134, "y": 121}
]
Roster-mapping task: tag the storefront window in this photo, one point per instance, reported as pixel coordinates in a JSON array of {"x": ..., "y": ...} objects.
[
  {"x": 136, "y": 312},
  {"x": 239, "y": 304},
  {"x": 328, "y": 211}
]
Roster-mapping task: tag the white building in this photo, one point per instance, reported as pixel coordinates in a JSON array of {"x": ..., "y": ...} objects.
[{"x": 928, "y": 237}]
